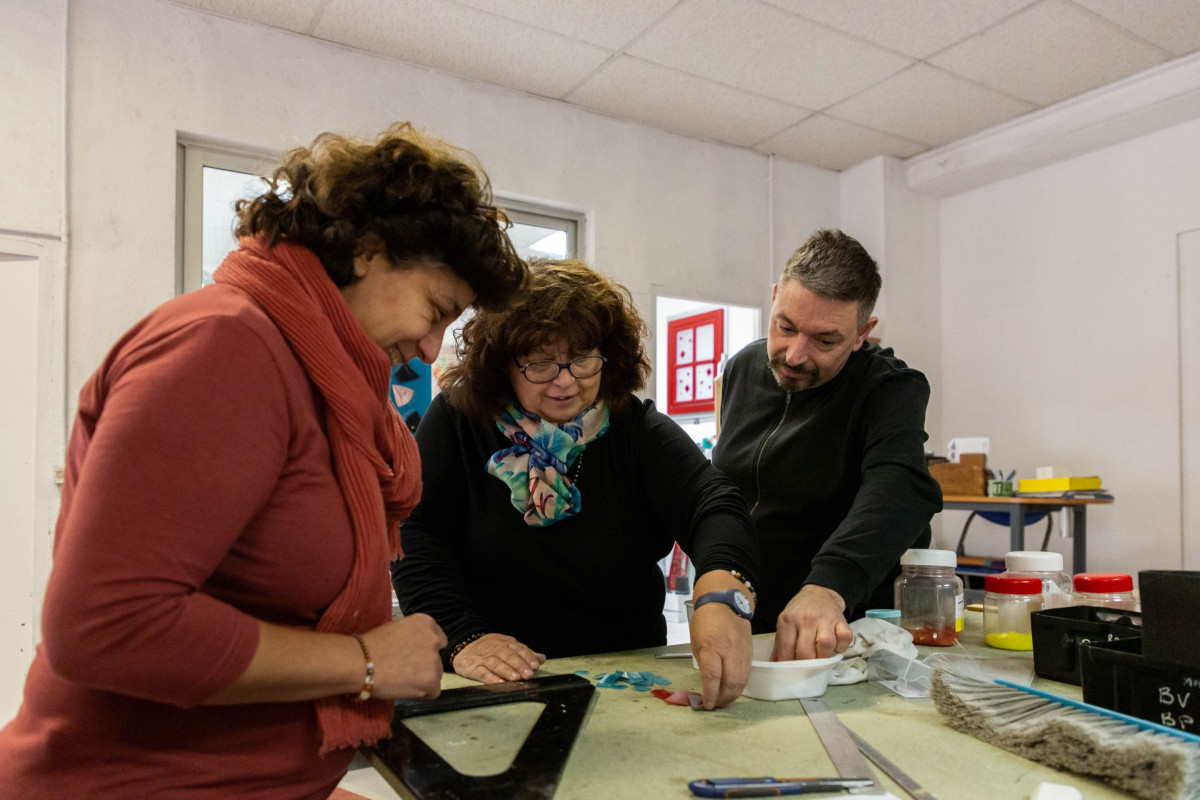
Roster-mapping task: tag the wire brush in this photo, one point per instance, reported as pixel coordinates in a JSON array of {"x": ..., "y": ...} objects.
[{"x": 1148, "y": 760}]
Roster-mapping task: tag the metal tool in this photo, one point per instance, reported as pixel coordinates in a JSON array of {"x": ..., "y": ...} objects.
[
  {"x": 841, "y": 748},
  {"x": 890, "y": 769},
  {"x": 774, "y": 787},
  {"x": 674, "y": 651},
  {"x": 412, "y": 768}
]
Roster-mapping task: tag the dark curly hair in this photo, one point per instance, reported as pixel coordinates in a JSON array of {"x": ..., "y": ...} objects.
[
  {"x": 566, "y": 301},
  {"x": 422, "y": 197}
]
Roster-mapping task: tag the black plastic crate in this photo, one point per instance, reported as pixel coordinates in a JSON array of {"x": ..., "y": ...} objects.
[
  {"x": 1058, "y": 634},
  {"x": 1118, "y": 677},
  {"x": 1171, "y": 611}
]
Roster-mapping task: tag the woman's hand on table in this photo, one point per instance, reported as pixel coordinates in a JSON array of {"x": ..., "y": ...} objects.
[
  {"x": 495, "y": 658},
  {"x": 407, "y": 656},
  {"x": 721, "y": 644},
  {"x": 720, "y": 641}
]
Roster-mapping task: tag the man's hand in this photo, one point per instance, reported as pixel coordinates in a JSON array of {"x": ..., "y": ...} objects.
[
  {"x": 495, "y": 658},
  {"x": 812, "y": 626}
]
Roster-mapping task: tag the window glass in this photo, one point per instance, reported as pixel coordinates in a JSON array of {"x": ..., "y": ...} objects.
[
  {"x": 222, "y": 188},
  {"x": 211, "y": 180}
]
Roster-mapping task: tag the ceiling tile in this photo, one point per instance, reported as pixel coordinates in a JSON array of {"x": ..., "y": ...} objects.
[
  {"x": 463, "y": 41},
  {"x": 831, "y": 143},
  {"x": 673, "y": 100},
  {"x": 293, "y": 16},
  {"x": 1173, "y": 25},
  {"x": 927, "y": 105},
  {"x": 1049, "y": 52},
  {"x": 608, "y": 23},
  {"x": 765, "y": 50},
  {"x": 916, "y": 28}
]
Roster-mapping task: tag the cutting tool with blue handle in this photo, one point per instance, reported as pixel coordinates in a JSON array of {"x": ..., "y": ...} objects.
[{"x": 773, "y": 787}]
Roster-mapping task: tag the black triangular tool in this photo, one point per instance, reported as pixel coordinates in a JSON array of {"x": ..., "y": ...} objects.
[{"x": 408, "y": 764}]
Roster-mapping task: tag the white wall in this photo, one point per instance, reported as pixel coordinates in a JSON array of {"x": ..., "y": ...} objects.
[
  {"x": 691, "y": 218},
  {"x": 32, "y": 64},
  {"x": 1060, "y": 333},
  {"x": 32, "y": 40},
  {"x": 899, "y": 228}
]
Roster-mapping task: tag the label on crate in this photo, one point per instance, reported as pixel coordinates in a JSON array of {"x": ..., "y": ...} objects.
[{"x": 1174, "y": 703}]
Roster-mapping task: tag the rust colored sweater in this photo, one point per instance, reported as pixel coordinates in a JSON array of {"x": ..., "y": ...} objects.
[{"x": 199, "y": 496}]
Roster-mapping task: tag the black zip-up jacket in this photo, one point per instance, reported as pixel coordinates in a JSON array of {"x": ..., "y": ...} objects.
[{"x": 835, "y": 476}]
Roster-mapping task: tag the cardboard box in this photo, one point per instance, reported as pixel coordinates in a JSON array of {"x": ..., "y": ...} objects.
[{"x": 964, "y": 478}]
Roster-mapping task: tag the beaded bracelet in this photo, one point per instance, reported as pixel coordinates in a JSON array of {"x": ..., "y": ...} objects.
[
  {"x": 368, "y": 679},
  {"x": 743, "y": 579},
  {"x": 458, "y": 648}
]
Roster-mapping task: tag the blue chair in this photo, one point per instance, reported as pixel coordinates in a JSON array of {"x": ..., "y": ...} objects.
[{"x": 1004, "y": 518}]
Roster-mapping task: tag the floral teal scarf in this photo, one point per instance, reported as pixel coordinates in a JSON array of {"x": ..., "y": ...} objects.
[{"x": 536, "y": 467}]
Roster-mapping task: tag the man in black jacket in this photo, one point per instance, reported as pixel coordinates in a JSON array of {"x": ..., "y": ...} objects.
[{"x": 824, "y": 434}]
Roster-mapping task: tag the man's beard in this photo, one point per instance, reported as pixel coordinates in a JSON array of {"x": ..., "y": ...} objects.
[{"x": 807, "y": 380}]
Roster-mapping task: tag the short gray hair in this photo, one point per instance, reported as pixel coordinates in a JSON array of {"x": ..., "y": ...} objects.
[{"x": 834, "y": 265}]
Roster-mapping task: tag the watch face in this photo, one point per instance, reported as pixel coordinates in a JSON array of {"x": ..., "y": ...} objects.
[{"x": 742, "y": 603}]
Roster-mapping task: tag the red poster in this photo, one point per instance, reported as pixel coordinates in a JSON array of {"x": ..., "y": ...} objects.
[{"x": 694, "y": 348}]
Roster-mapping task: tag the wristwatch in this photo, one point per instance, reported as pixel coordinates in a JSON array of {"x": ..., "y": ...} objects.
[{"x": 730, "y": 597}]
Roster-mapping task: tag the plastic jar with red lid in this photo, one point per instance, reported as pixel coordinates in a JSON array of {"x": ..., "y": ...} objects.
[
  {"x": 1008, "y": 600},
  {"x": 1108, "y": 589}
]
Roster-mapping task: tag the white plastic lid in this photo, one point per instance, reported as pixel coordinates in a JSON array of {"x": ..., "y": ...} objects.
[
  {"x": 1033, "y": 561},
  {"x": 929, "y": 558}
]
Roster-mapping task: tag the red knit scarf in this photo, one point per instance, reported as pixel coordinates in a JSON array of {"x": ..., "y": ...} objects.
[{"x": 374, "y": 456}]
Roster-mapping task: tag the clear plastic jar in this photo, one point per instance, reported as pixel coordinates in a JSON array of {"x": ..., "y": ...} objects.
[
  {"x": 1056, "y": 584},
  {"x": 930, "y": 597},
  {"x": 1108, "y": 589},
  {"x": 1008, "y": 600}
]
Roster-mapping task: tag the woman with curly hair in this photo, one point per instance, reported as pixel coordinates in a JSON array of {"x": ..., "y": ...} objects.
[
  {"x": 551, "y": 492},
  {"x": 218, "y": 619}
]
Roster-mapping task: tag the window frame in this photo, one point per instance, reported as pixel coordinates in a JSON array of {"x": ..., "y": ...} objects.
[
  {"x": 545, "y": 215},
  {"x": 194, "y": 155}
]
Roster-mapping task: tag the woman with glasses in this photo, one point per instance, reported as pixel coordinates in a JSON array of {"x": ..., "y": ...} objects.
[
  {"x": 218, "y": 623},
  {"x": 551, "y": 492}
]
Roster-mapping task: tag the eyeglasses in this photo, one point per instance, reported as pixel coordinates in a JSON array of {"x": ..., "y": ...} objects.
[{"x": 546, "y": 371}]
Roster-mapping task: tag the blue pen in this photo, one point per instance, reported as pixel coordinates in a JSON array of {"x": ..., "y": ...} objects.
[{"x": 773, "y": 787}]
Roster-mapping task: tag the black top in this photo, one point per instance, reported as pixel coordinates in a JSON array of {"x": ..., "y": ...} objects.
[
  {"x": 835, "y": 475},
  {"x": 587, "y": 584}
]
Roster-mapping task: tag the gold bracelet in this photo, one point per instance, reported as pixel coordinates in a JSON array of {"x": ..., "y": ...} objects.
[{"x": 368, "y": 679}]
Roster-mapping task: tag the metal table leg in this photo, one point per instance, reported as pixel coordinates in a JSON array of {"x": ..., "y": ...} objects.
[
  {"x": 1079, "y": 526},
  {"x": 1016, "y": 527}
]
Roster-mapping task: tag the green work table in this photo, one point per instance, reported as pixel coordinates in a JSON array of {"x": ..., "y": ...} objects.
[{"x": 635, "y": 745}]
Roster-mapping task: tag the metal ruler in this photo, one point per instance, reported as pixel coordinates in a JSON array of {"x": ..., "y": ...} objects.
[
  {"x": 841, "y": 748},
  {"x": 846, "y": 749},
  {"x": 890, "y": 769}
]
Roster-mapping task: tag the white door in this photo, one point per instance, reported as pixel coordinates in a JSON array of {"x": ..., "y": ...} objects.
[
  {"x": 1189, "y": 393},
  {"x": 31, "y": 438},
  {"x": 18, "y": 450}
]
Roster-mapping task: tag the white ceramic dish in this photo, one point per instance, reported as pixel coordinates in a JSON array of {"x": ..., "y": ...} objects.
[{"x": 786, "y": 680}]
